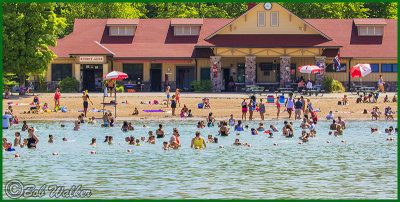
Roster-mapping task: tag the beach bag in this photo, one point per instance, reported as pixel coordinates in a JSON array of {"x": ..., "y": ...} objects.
[{"x": 64, "y": 109}]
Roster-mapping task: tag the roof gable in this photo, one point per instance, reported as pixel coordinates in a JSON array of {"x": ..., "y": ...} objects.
[{"x": 288, "y": 23}]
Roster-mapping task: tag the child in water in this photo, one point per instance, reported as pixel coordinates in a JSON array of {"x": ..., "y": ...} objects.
[
  {"x": 137, "y": 142},
  {"x": 261, "y": 127},
  {"x": 210, "y": 139},
  {"x": 165, "y": 146},
  {"x": 254, "y": 131},
  {"x": 93, "y": 143},
  {"x": 50, "y": 138}
]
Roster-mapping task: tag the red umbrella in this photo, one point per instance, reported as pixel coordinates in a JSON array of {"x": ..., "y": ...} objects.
[
  {"x": 114, "y": 75},
  {"x": 360, "y": 70},
  {"x": 308, "y": 69}
]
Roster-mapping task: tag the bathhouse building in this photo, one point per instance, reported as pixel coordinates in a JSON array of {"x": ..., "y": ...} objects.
[{"x": 264, "y": 46}]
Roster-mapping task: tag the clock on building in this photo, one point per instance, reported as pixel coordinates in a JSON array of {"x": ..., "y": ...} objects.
[{"x": 267, "y": 6}]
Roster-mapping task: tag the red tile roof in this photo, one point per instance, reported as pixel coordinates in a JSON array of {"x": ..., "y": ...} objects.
[
  {"x": 186, "y": 21},
  {"x": 344, "y": 32},
  {"x": 116, "y": 21},
  {"x": 370, "y": 21},
  {"x": 268, "y": 41},
  {"x": 154, "y": 38}
]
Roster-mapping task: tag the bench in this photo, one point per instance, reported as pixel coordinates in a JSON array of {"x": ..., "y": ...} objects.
[
  {"x": 18, "y": 90},
  {"x": 366, "y": 90},
  {"x": 252, "y": 90},
  {"x": 284, "y": 90}
]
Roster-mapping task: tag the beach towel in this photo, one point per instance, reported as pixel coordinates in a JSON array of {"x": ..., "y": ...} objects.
[
  {"x": 340, "y": 112},
  {"x": 154, "y": 110},
  {"x": 270, "y": 99},
  {"x": 317, "y": 110}
]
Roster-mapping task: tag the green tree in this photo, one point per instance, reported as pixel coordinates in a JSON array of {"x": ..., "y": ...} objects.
[
  {"x": 328, "y": 10},
  {"x": 382, "y": 10},
  {"x": 28, "y": 30},
  {"x": 72, "y": 11}
]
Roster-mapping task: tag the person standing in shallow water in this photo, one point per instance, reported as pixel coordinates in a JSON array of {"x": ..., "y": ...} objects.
[
  {"x": 289, "y": 104},
  {"x": 32, "y": 139},
  {"x": 198, "y": 142},
  {"x": 261, "y": 106}
]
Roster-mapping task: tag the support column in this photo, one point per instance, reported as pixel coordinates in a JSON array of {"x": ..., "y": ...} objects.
[
  {"x": 77, "y": 72},
  {"x": 284, "y": 71},
  {"x": 320, "y": 61},
  {"x": 250, "y": 70},
  {"x": 216, "y": 73}
]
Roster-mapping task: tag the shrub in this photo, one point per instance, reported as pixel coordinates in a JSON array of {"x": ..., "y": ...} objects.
[
  {"x": 332, "y": 85},
  {"x": 202, "y": 86},
  {"x": 120, "y": 89},
  {"x": 69, "y": 84}
]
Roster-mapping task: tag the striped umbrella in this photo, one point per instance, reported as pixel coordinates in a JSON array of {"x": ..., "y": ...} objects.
[
  {"x": 114, "y": 75},
  {"x": 308, "y": 69},
  {"x": 360, "y": 70}
]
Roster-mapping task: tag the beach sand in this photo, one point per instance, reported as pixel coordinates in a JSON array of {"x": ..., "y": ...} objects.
[{"x": 222, "y": 106}]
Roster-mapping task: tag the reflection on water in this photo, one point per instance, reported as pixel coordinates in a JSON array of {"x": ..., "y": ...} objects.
[{"x": 365, "y": 166}]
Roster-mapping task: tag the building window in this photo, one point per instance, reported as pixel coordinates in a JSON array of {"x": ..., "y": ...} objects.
[
  {"x": 374, "y": 67},
  {"x": 241, "y": 73},
  {"x": 370, "y": 31},
  {"x": 134, "y": 71},
  {"x": 261, "y": 19},
  {"x": 60, "y": 71},
  {"x": 122, "y": 30},
  {"x": 187, "y": 30},
  {"x": 205, "y": 74},
  {"x": 274, "y": 19},
  {"x": 389, "y": 67}
]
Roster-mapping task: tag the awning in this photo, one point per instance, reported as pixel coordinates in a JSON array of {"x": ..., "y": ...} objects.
[{"x": 154, "y": 61}]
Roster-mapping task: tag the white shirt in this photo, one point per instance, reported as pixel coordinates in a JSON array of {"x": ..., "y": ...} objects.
[
  {"x": 6, "y": 120},
  {"x": 309, "y": 84}
]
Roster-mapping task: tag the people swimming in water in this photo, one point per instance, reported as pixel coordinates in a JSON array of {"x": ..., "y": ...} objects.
[{"x": 261, "y": 127}]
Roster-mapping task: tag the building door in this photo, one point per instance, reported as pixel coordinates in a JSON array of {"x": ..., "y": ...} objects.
[
  {"x": 225, "y": 78},
  {"x": 155, "y": 77},
  {"x": 185, "y": 75},
  {"x": 92, "y": 77}
]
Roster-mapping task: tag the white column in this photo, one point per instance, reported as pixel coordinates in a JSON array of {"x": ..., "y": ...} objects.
[
  {"x": 250, "y": 70},
  {"x": 284, "y": 71}
]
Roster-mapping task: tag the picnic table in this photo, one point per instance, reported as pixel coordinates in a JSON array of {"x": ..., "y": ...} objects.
[
  {"x": 355, "y": 89},
  {"x": 252, "y": 90},
  {"x": 284, "y": 90},
  {"x": 366, "y": 90},
  {"x": 315, "y": 90}
]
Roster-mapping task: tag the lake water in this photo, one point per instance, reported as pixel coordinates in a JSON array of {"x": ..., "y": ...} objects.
[{"x": 363, "y": 167}]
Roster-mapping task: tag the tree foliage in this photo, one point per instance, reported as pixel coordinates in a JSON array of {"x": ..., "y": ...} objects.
[{"x": 28, "y": 30}]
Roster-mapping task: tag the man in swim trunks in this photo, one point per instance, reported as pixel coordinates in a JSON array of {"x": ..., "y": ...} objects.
[
  {"x": 198, "y": 142},
  {"x": 85, "y": 98},
  {"x": 110, "y": 86}
]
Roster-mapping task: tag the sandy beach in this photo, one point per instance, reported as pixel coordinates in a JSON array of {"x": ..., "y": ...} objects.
[{"x": 222, "y": 106}]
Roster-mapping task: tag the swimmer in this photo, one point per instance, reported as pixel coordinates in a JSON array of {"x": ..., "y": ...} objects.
[
  {"x": 224, "y": 130},
  {"x": 237, "y": 142},
  {"x": 143, "y": 138},
  {"x": 24, "y": 126},
  {"x": 130, "y": 127},
  {"x": 330, "y": 133},
  {"x": 144, "y": 126},
  {"x": 125, "y": 126},
  {"x": 237, "y": 133},
  {"x": 288, "y": 131},
  {"x": 198, "y": 141},
  {"x": 64, "y": 139},
  {"x": 62, "y": 125},
  {"x": 165, "y": 146},
  {"x": 254, "y": 131},
  {"x": 239, "y": 126},
  {"x": 215, "y": 139},
  {"x": 25, "y": 143},
  {"x": 50, "y": 138},
  {"x": 77, "y": 125},
  {"x": 261, "y": 127},
  {"x": 137, "y": 142},
  {"x": 160, "y": 132},
  {"x": 333, "y": 125},
  {"x": 246, "y": 127},
  {"x": 110, "y": 140},
  {"x": 271, "y": 135},
  {"x": 93, "y": 143},
  {"x": 210, "y": 139},
  {"x": 152, "y": 140},
  {"x": 273, "y": 128},
  {"x": 17, "y": 140},
  {"x": 231, "y": 121}
]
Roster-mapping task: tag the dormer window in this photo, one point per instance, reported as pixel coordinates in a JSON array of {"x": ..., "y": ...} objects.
[
  {"x": 186, "y": 27},
  {"x": 370, "y": 26},
  {"x": 122, "y": 27}
]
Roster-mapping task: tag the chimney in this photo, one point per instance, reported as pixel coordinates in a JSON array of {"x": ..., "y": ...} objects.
[{"x": 250, "y": 5}]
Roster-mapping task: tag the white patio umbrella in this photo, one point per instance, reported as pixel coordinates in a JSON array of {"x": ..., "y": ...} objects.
[
  {"x": 114, "y": 75},
  {"x": 308, "y": 69},
  {"x": 360, "y": 70}
]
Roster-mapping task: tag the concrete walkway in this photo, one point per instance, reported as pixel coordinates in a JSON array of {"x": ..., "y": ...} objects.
[{"x": 199, "y": 95}]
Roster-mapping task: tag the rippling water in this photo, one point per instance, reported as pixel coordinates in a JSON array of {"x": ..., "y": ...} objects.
[{"x": 365, "y": 166}]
